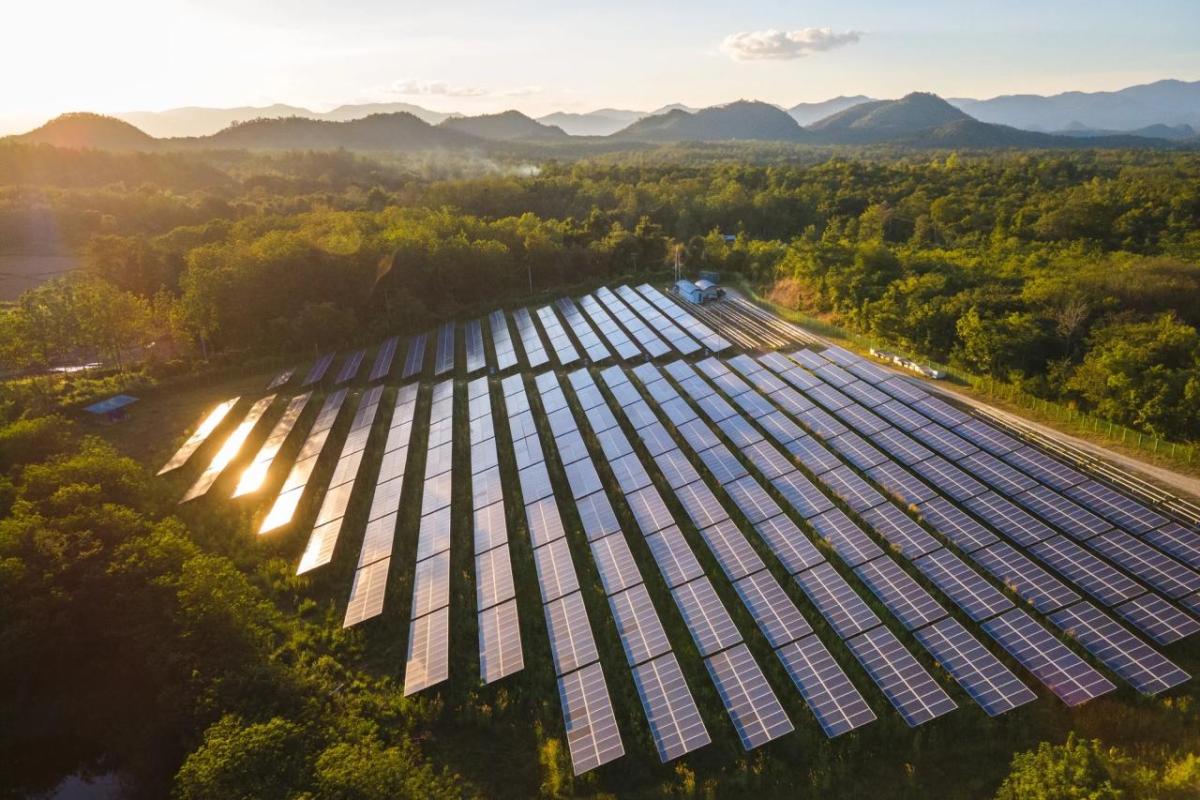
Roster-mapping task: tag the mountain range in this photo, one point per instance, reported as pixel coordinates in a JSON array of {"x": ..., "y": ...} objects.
[{"x": 918, "y": 120}]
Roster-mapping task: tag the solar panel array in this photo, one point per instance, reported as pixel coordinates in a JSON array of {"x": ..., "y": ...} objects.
[
  {"x": 650, "y": 342},
  {"x": 500, "y": 652},
  {"x": 254, "y": 475},
  {"x": 350, "y": 367},
  {"x": 375, "y": 555},
  {"x": 317, "y": 372},
  {"x": 609, "y": 329},
  {"x": 592, "y": 734},
  {"x": 414, "y": 359},
  {"x": 285, "y": 504},
  {"x": 831, "y": 696},
  {"x": 229, "y": 449},
  {"x": 671, "y": 711},
  {"x": 964, "y": 466},
  {"x": 282, "y": 379},
  {"x": 588, "y": 339},
  {"x": 832, "y": 596},
  {"x": 668, "y": 330},
  {"x": 531, "y": 340},
  {"x": 476, "y": 358},
  {"x": 328, "y": 525},
  {"x": 502, "y": 343},
  {"x": 707, "y": 337},
  {"x": 204, "y": 429},
  {"x": 382, "y": 366},
  {"x": 428, "y": 661},
  {"x": 443, "y": 360},
  {"x": 560, "y": 342}
]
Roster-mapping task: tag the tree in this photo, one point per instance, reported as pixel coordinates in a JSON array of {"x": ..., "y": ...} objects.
[{"x": 1076, "y": 770}]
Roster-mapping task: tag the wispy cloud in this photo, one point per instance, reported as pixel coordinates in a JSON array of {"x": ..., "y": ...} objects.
[
  {"x": 773, "y": 45},
  {"x": 415, "y": 88}
]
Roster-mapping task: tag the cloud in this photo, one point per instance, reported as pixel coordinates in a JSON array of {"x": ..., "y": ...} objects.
[
  {"x": 773, "y": 45},
  {"x": 521, "y": 91},
  {"x": 414, "y": 88}
]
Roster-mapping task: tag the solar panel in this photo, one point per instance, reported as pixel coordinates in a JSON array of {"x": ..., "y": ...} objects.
[
  {"x": 1116, "y": 507},
  {"x": 1161, "y": 621},
  {"x": 428, "y": 657},
  {"x": 700, "y": 504},
  {"x": 591, "y": 726},
  {"x": 1144, "y": 668},
  {"x": 555, "y": 570},
  {"x": 608, "y": 327},
  {"x": 318, "y": 370},
  {"x": 900, "y": 593},
  {"x": 753, "y": 501},
  {"x": 1143, "y": 561},
  {"x": 1049, "y": 471},
  {"x": 641, "y": 632},
  {"x": 963, "y": 585},
  {"x": 849, "y": 540},
  {"x": 901, "y": 484},
  {"x": 1048, "y": 659},
  {"x": 649, "y": 510},
  {"x": 735, "y": 555},
  {"x": 901, "y": 446},
  {"x": 836, "y": 601},
  {"x": 571, "y": 642},
  {"x": 350, "y": 367},
  {"x": 597, "y": 516},
  {"x": 506, "y": 356},
  {"x": 444, "y": 359},
  {"x": 773, "y": 611},
  {"x": 865, "y": 393},
  {"x": 560, "y": 342},
  {"x": 856, "y": 492},
  {"x": 1086, "y": 571},
  {"x": 989, "y": 683},
  {"x": 705, "y": 616},
  {"x": 675, "y": 722},
  {"x": 949, "y": 479},
  {"x": 904, "y": 682},
  {"x": 493, "y": 577},
  {"x": 473, "y": 333},
  {"x": 615, "y": 563},
  {"x": 855, "y": 449},
  {"x": 1025, "y": 578},
  {"x": 898, "y": 530},
  {"x": 698, "y": 435},
  {"x": 998, "y": 474},
  {"x": 500, "y": 652},
  {"x": 789, "y": 544},
  {"x": 629, "y": 472},
  {"x": 229, "y": 449},
  {"x": 676, "y": 469},
  {"x": 531, "y": 340},
  {"x": 433, "y": 534},
  {"x": 535, "y": 482},
  {"x": 1177, "y": 541},
  {"x": 768, "y": 460},
  {"x": 900, "y": 415},
  {"x": 1067, "y": 515},
  {"x": 676, "y": 561},
  {"x": 981, "y": 434},
  {"x": 414, "y": 359},
  {"x": 252, "y": 477},
  {"x": 941, "y": 412},
  {"x": 756, "y": 712},
  {"x": 801, "y": 494},
  {"x": 490, "y": 527},
  {"x": 813, "y": 455},
  {"x": 902, "y": 389},
  {"x": 366, "y": 593},
  {"x": 833, "y": 699},
  {"x": 1009, "y": 519},
  {"x": 821, "y": 423}
]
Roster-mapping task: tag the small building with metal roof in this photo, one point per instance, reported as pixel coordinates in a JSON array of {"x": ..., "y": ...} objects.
[{"x": 689, "y": 291}]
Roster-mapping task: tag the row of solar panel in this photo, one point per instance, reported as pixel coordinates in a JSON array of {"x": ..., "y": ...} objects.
[
  {"x": 502, "y": 343},
  {"x": 500, "y": 651},
  {"x": 1162, "y": 674},
  {"x": 560, "y": 342},
  {"x": 609, "y": 329},
  {"x": 428, "y": 661},
  {"x": 648, "y": 340},
  {"x": 671, "y": 712},
  {"x": 588, "y": 339},
  {"x": 229, "y": 449},
  {"x": 591, "y": 726},
  {"x": 667, "y": 329},
  {"x": 375, "y": 554}
]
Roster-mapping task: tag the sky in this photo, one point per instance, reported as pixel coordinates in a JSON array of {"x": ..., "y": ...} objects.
[{"x": 477, "y": 57}]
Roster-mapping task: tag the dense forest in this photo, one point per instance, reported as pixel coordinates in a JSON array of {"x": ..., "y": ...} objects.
[{"x": 170, "y": 649}]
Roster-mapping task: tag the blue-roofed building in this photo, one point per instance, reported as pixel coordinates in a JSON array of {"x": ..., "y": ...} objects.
[
  {"x": 709, "y": 290},
  {"x": 112, "y": 409},
  {"x": 689, "y": 291}
]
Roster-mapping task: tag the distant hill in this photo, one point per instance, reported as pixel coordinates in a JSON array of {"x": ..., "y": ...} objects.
[
  {"x": 392, "y": 132},
  {"x": 201, "y": 121},
  {"x": 808, "y": 113},
  {"x": 84, "y": 131},
  {"x": 601, "y": 122},
  {"x": 505, "y": 127},
  {"x": 743, "y": 120},
  {"x": 1168, "y": 102},
  {"x": 1171, "y": 133}
]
